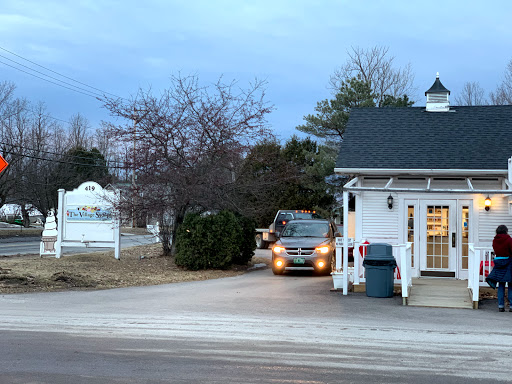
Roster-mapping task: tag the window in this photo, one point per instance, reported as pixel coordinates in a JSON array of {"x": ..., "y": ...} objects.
[
  {"x": 410, "y": 230},
  {"x": 465, "y": 237}
]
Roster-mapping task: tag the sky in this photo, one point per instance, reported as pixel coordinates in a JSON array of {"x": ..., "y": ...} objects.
[{"x": 121, "y": 46}]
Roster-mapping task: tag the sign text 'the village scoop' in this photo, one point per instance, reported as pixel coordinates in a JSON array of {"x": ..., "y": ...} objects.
[{"x": 88, "y": 213}]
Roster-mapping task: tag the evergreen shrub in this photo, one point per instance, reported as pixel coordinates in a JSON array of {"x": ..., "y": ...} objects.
[{"x": 215, "y": 241}]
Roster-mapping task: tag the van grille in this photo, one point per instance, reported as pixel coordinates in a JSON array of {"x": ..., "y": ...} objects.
[{"x": 300, "y": 251}]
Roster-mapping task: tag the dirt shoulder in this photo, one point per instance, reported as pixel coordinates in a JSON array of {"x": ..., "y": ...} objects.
[{"x": 138, "y": 266}]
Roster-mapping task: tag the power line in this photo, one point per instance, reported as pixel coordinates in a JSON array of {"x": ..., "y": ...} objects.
[
  {"x": 52, "y": 153},
  {"x": 49, "y": 116},
  {"x": 42, "y": 78},
  {"x": 51, "y": 77},
  {"x": 62, "y": 161},
  {"x": 36, "y": 113},
  {"x": 57, "y": 73}
]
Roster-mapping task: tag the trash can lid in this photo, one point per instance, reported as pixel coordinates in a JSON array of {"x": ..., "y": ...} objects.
[{"x": 379, "y": 251}]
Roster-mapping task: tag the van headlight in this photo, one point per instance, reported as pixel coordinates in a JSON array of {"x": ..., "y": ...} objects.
[
  {"x": 322, "y": 250},
  {"x": 278, "y": 249}
]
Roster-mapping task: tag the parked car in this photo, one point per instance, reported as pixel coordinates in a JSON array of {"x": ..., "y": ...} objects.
[
  {"x": 305, "y": 245},
  {"x": 264, "y": 237}
]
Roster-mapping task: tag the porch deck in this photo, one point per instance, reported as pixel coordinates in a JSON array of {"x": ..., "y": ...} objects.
[{"x": 440, "y": 292}]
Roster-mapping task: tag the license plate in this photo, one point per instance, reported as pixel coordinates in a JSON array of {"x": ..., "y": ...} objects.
[{"x": 299, "y": 260}]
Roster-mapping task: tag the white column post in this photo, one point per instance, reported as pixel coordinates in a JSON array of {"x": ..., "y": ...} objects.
[
  {"x": 339, "y": 252},
  {"x": 357, "y": 266},
  {"x": 345, "y": 242},
  {"x": 60, "y": 223},
  {"x": 510, "y": 170},
  {"x": 404, "y": 274},
  {"x": 116, "y": 222},
  {"x": 117, "y": 239}
]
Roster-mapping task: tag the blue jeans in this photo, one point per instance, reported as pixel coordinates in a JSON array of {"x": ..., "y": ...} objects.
[{"x": 501, "y": 294}]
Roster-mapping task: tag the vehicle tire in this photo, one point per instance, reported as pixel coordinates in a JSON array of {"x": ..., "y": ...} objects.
[
  {"x": 277, "y": 271},
  {"x": 260, "y": 243}
]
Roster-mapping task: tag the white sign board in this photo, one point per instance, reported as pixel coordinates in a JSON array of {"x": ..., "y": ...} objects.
[
  {"x": 86, "y": 218},
  {"x": 339, "y": 242}
]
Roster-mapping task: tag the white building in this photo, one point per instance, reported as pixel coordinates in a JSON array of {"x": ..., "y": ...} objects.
[{"x": 423, "y": 175}]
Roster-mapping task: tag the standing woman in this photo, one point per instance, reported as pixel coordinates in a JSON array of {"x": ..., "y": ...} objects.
[{"x": 502, "y": 271}]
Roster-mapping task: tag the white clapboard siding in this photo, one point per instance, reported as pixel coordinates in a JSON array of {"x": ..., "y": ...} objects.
[
  {"x": 488, "y": 221},
  {"x": 379, "y": 222}
]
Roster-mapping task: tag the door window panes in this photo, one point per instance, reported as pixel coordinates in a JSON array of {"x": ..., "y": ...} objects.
[
  {"x": 438, "y": 244},
  {"x": 465, "y": 237},
  {"x": 410, "y": 230}
]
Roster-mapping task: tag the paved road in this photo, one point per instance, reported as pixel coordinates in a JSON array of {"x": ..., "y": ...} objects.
[
  {"x": 254, "y": 328},
  {"x": 30, "y": 245}
]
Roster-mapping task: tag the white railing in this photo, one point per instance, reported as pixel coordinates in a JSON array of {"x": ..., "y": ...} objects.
[
  {"x": 405, "y": 263},
  {"x": 480, "y": 264},
  {"x": 403, "y": 273},
  {"x": 358, "y": 261},
  {"x": 359, "y": 254}
]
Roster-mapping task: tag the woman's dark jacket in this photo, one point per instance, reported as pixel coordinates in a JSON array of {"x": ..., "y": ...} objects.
[{"x": 502, "y": 271}]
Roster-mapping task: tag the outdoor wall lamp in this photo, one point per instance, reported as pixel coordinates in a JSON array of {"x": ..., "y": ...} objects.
[
  {"x": 488, "y": 203},
  {"x": 390, "y": 202}
]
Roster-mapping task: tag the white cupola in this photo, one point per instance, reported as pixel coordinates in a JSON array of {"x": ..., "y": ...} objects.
[{"x": 437, "y": 97}]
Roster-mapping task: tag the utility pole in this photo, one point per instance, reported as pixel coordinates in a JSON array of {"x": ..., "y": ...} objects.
[{"x": 135, "y": 121}]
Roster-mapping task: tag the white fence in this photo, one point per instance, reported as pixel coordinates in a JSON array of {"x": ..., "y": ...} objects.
[
  {"x": 403, "y": 273},
  {"x": 360, "y": 253},
  {"x": 480, "y": 265}
]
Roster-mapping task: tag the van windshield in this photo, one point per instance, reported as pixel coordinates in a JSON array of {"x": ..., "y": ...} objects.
[{"x": 305, "y": 229}]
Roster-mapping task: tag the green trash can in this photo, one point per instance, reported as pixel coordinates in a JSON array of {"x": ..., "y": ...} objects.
[{"x": 379, "y": 264}]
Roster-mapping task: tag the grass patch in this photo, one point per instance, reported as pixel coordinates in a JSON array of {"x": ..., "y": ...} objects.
[{"x": 138, "y": 266}]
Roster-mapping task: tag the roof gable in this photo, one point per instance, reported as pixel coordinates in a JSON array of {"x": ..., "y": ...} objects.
[{"x": 472, "y": 138}]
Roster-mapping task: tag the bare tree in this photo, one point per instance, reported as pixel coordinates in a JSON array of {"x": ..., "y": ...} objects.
[
  {"x": 37, "y": 150},
  {"x": 13, "y": 127},
  {"x": 38, "y": 186},
  {"x": 188, "y": 141},
  {"x": 6, "y": 94},
  {"x": 471, "y": 94},
  {"x": 376, "y": 67},
  {"x": 78, "y": 136},
  {"x": 503, "y": 93}
]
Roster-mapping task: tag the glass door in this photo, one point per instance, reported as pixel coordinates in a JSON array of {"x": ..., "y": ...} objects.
[
  {"x": 464, "y": 235},
  {"x": 439, "y": 244}
]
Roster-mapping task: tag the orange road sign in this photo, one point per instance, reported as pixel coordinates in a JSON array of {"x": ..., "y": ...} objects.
[{"x": 3, "y": 164}]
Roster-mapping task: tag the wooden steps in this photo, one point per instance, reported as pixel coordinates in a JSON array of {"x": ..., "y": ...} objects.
[{"x": 440, "y": 292}]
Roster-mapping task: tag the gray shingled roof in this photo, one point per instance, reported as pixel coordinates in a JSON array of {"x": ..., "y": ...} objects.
[{"x": 478, "y": 138}]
